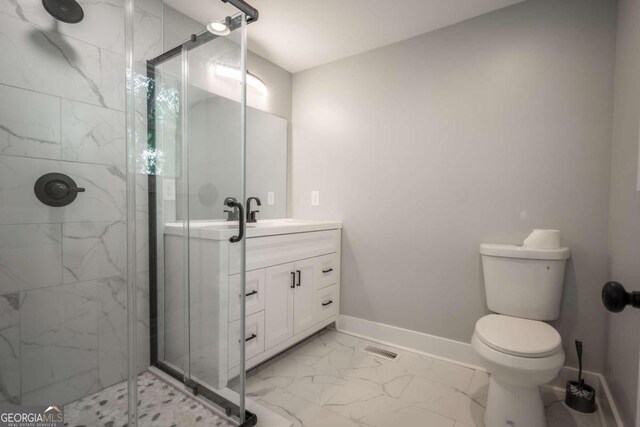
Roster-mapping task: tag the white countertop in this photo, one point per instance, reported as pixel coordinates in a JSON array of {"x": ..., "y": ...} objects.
[{"x": 223, "y": 230}]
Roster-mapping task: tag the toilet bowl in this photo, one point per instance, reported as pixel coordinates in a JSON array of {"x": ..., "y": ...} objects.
[{"x": 521, "y": 355}]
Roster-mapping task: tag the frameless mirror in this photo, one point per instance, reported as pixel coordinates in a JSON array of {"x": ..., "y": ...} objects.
[{"x": 266, "y": 160}]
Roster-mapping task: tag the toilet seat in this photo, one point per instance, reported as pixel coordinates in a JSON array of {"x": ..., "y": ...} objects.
[{"x": 518, "y": 337}]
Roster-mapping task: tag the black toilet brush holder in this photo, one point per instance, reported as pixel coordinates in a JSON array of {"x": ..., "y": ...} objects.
[{"x": 579, "y": 396}]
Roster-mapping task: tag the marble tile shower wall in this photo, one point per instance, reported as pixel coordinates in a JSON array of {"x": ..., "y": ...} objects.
[{"x": 63, "y": 270}]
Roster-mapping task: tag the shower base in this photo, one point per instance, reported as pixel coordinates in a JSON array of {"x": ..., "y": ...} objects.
[{"x": 159, "y": 404}]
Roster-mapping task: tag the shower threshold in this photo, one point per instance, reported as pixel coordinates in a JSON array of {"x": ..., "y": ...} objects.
[{"x": 159, "y": 404}]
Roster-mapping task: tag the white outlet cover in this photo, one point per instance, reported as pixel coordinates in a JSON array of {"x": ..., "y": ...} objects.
[
  {"x": 271, "y": 198},
  {"x": 315, "y": 198},
  {"x": 168, "y": 189}
]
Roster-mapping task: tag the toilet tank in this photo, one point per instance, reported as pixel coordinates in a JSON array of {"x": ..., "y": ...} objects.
[{"x": 523, "y": 282}]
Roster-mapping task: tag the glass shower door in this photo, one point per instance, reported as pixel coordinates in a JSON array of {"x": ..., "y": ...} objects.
[{"x": 197, "y": 129}]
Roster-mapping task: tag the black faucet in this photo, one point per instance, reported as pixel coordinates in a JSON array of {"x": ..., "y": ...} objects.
[
  {"x": 232, "y": 215},
  {"x": 251, "y": 215}
]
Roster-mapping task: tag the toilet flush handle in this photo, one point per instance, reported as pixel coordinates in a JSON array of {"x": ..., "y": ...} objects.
[{"x": 615, "y": 297}]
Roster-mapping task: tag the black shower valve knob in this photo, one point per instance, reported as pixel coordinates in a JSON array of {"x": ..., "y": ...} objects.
[{"x": 56, "y": 189}]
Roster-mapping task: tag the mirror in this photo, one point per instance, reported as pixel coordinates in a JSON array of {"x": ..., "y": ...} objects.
[{"x": 213, "y": 137}]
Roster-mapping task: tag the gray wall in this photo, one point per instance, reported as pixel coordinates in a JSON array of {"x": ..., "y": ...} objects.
[
  {"x": 624, "y": 234},
  {"x": 475, "y": 133}
]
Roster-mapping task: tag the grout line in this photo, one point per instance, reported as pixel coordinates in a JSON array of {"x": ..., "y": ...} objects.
[
  {"x": 62, "y": 160},
  {"x": 61, "y": 97}
]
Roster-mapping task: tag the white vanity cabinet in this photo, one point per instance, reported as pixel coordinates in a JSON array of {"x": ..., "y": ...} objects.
[{"x": 292, "y": 290}]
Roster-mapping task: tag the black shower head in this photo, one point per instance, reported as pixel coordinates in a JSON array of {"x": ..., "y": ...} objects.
[{"x": 68, "y": 11}]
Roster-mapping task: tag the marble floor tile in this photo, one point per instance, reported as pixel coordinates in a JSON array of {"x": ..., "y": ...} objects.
[
  {"x": 356, "y": 402},
  {"x": 444, "y": 400},
  {"x": 255, "y": 388},
  {"x": 436, "y": 369},
  {"x": 384, "y": 377},
  {"x": 302, "y": 380},
  {"x": 339, "y": 362},
  {"x": 301, "y": 412},
  {"x": 309, "y": 351},
  {"x": 406, "y": 416},
  {"x": 316, "y": 387},
  {"x": 335, "y": 340}
]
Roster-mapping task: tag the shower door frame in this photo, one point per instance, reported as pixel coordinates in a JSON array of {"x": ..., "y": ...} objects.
[{"x": 230, "y": 408}]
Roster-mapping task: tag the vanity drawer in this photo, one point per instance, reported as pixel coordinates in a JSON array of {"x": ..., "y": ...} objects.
[
  {"x": 254, "y": 294},
  {"x": 328, "y": 270},
  {"x": 253, "y": 338},
  {"x": 327, "y": 303},
  {"x": 275, "y": 250}
]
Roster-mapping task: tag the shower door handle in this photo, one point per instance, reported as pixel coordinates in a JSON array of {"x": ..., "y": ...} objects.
[{"x": 233, "y": 203}]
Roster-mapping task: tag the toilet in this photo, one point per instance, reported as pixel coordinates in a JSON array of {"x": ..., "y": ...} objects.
[{"x": 521, "y": 352}]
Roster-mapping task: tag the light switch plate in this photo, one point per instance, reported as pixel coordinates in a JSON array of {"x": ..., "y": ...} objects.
[
  {"x": 271, "y": 198},
  {"x": 315, "y": 198},
  {"x": 168, "y": 189}
]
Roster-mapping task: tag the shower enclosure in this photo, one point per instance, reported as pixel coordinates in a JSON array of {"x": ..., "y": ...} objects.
[{"x": 106, "y": 311}]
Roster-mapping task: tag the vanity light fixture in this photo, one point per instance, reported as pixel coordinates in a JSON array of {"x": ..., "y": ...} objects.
[{"x": 234, "y": 74}]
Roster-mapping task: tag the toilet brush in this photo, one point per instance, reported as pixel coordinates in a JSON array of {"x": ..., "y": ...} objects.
[{"x": 580, "y": 396}]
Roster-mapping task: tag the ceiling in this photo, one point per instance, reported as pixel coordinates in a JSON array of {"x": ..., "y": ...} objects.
[{"x": 301, "y": 34}]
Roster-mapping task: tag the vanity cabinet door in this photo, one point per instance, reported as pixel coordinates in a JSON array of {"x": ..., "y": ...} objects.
[
  {"x": 303, "y": 316},
  {"x": 280, "y": 283}
]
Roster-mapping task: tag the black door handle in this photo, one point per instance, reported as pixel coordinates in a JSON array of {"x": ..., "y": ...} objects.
[
  {"x": 233, "y": 203},
  {"x": 299, "y": 277},
  {"x": 327, "y": 271},
  {"x": 293, "y": 280},
  {"x": 251, "y": 293},
  {"x": 250, "y": 338},
  {"x": 324, "y": 304},
  {"x": 615, "y": 297}
]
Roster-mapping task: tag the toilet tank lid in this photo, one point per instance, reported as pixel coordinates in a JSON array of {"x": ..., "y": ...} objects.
[{"x": 514, "y": 251}]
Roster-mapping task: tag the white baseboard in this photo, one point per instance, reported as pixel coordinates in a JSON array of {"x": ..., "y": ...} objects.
[
  {"x": 463, "y": 354},
  {"x": 417, "y": 342}
]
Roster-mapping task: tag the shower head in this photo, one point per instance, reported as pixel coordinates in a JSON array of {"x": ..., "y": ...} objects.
[{"x": 68, "y": 11}]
